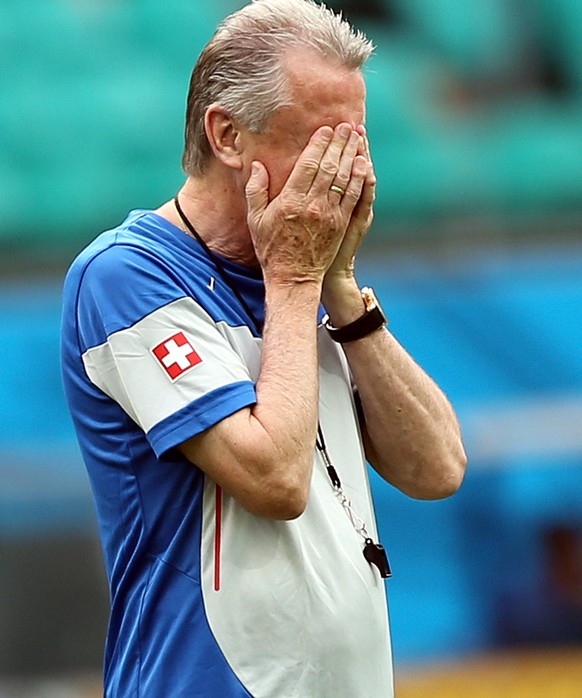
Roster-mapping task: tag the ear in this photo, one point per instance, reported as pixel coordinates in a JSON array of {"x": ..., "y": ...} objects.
[{"x": 224, "y": 136}]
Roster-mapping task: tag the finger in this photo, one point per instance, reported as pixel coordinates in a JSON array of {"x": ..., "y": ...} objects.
[
  {"x": 257, "y": 192},
  {"x": 369, "y": 192},
  {"x": 365, "y": 142},
  {"x": 362, "y": 213},
  {"x": 345, "y": 168},
  {"x": 368, "y": 196},
  {"x": 331, "y": 159},
  {"x": 307, "y": 165},
  {"x": 356, "y": 186},
  {"x": 364, "y": 146}
]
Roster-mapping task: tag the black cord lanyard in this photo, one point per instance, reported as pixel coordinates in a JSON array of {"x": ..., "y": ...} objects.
[{"x": 374, "y": 553}]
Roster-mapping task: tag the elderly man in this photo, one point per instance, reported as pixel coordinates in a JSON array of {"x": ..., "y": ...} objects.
[{"x": 224, "y": 421}]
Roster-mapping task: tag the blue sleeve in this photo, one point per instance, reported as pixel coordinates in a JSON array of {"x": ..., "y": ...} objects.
[{"x": 128, "y": 303}]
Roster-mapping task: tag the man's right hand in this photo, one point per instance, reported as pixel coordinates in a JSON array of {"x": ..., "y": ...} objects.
[
  {"x": 263, "y": 455},
  {"x": 297, "y": 234}
]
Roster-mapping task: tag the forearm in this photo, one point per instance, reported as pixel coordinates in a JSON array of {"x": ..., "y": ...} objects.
[
  {"x": 411, "y": 433},
  {"x": 263, "y": 455},
  {"x": 287, "y": 388}
]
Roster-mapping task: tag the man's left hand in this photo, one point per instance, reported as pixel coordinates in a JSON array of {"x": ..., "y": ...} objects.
[{"x": 342, "y": 268}]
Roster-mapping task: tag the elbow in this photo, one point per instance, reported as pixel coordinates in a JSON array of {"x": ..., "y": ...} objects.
[
  {"x": 446, "y": 475},
  {"x": 291, "y": 509},
  {"x": 281, "y": 498},
  {"x": 446, "y": 486},
  {"x": 457, "y": 467},
  {"x": 288, "y": 498},
  {"x": 284, "y": 504},
  {"x": 431, "y": 476}
]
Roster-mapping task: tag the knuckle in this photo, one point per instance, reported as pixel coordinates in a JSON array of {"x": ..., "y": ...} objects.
[
  {"x": 343, "y": 179},
  {"x": 352, "y": 198},
  {"x": 328, "y": 166},
  {"x": 319, "y": 216},
  {"x": 310, "y": 164},
  {"x": 313, "y": 211},
  {"x": 292, "y": 209}
]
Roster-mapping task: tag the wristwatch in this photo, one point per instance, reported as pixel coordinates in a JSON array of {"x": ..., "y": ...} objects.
[{"x": 372, "y": 319}]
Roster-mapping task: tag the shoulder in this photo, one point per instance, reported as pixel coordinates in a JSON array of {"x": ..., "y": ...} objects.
[
  {"x": 124, "y": 275},
  {"x": 125, "y": 249},
  {"x": 143, "y": 252}
]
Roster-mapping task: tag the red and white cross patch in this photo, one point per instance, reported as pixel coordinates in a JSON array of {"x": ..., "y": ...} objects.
[{"x": 176, "y": 355}]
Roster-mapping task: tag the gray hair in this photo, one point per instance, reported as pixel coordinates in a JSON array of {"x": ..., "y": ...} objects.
[{"x": 241, "y": 67}]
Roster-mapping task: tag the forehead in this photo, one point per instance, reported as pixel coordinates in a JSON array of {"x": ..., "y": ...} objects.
[{"x": 323, "y": 92}]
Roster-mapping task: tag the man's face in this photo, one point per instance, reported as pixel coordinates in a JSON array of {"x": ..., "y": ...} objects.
[{"x": 323, "y": 95}]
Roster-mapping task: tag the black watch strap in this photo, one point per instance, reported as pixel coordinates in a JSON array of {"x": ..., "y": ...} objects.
[{"x": 371, "y": 320}]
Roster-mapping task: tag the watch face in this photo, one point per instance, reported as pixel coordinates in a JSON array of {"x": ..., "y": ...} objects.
[
  {"x": 370, "y": 300},
  {"x": 371, "y": 320}
]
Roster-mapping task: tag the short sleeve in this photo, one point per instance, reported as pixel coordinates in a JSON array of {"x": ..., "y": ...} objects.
[{"x": 154, "y": 349}]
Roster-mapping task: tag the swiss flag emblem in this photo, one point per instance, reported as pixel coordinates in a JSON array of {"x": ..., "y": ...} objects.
[{"x": 176, "y": 355}]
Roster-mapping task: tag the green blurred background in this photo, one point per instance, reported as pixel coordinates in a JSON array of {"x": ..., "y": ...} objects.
[
  {"x": 475, "y": 118},
  {"x": 474, "y": 113}
]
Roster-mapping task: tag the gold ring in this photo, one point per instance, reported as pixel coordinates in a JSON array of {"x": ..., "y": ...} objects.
[{"x": 337, "y": 190}]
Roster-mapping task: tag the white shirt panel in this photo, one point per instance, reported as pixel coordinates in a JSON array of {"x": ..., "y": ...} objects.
[
  {"x": 299, "y": 612},
  {"x": 126, "y": 370}
]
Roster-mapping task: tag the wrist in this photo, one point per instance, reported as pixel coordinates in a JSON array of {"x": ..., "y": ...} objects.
[
  {"x": 283, "y": 292},
  {"x": 370, "y": 319},
  {"x": 342, "y": 299},
  {"x": 283, "y": 276}
]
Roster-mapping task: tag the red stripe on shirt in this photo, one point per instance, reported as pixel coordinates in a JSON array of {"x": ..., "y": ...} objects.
[{"x": 217, "y": 537}]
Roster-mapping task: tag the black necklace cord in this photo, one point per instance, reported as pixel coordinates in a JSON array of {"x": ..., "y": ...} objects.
[
  {"x": 219, "y": 265},
  {"x": 373, "y": 552},
  {"x": 322, "y": 448}
]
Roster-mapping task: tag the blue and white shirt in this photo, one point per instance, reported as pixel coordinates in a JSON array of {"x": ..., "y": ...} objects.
[{"x": 207, "y": 599}]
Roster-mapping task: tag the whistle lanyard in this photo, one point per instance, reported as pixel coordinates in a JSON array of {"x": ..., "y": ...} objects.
[{"x": 374, "y": 553}]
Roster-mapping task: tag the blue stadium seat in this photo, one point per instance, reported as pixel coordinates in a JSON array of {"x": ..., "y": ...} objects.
[
  {"x": 480, "y": 38},
  {"x": 560, "y": 29},
  {"x": 93, "y": 106}
]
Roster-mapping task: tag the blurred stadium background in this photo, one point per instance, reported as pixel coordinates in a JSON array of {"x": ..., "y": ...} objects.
[{"x": 475, "y": 116}]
